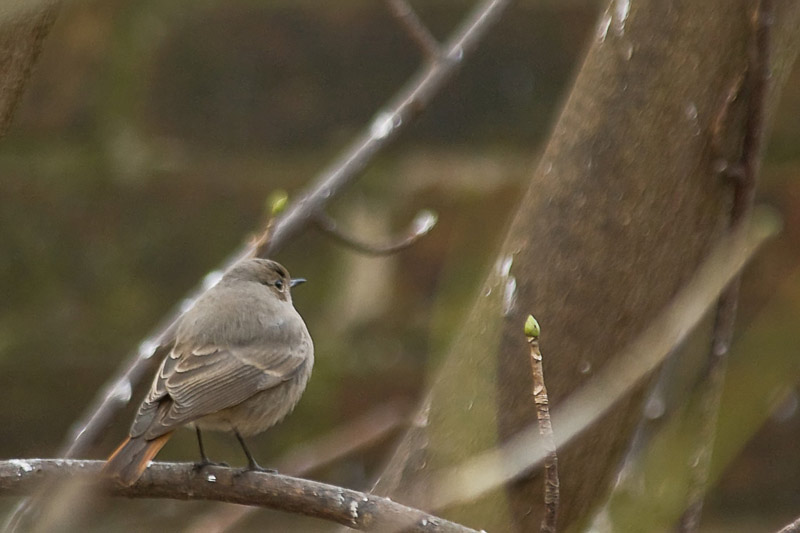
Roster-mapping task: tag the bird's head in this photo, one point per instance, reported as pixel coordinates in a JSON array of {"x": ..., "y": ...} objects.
[{"x": 269, "y": 273}]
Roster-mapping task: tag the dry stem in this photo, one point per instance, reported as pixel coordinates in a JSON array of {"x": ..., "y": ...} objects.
[{"x": 551, "y": 482}]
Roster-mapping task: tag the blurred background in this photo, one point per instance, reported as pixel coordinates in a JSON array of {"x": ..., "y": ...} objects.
[{"x": 152, "y": 133}]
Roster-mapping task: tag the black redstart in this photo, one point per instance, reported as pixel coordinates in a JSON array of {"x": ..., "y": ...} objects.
[{"x": 241, "y": 360}]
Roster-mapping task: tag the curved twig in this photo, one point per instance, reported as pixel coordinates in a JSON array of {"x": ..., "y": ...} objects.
[
  {"x": 422, "y": 224},
  {"x": 351, "y": 508}
]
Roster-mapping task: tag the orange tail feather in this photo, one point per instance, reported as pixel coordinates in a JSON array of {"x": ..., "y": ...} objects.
[{"x": 131, "y": 458}]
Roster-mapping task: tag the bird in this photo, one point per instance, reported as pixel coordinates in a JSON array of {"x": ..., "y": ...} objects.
[{"x": 240, "y": 362}]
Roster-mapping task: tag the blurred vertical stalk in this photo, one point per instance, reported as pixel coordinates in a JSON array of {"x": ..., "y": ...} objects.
[
  {"x": 713, "y": 377},
  {"x": 621, "y": 210},
  {"x": 762, "y": 372}
]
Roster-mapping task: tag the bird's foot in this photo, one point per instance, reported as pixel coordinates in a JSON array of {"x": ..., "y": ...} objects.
[
  {"x": 197, "y": 467},
  {"x": 255, "y": 467}
]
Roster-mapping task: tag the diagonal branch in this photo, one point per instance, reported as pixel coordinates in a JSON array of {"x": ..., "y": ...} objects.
[
  {"x": 794, "y": 527},
  {"x": 357, "y": 510},
  {"x": 401, "y": 111},
  {"x": 387, "y": 124}
]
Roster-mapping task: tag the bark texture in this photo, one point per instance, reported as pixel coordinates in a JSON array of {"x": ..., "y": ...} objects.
[
  {"x": 356, "y": 510},
  {"x": 22, "y": 31},
  {"x": 622, "y": 208}
]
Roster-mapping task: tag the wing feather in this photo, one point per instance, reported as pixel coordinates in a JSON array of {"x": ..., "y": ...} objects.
[{"x": 196, "y": 381}]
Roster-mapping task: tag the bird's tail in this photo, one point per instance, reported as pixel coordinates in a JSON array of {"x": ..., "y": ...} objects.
[{"x": 130, "y": 460}]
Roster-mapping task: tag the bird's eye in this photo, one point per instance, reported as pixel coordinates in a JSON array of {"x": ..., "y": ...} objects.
[{"x": 279, "y": 285}]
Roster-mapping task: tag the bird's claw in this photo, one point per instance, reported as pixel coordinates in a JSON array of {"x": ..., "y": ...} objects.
[
  {"x": 197, "y": 467},
  {"x": 256, "y": 468}
]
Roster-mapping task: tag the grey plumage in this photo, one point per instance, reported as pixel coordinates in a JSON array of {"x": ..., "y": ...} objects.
[{"x": 241, "y": 360}]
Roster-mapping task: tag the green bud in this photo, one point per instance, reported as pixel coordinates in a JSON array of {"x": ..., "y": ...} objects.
[
  {"x": 531, "y": 327},
  {"x": 277, "y": 202}
]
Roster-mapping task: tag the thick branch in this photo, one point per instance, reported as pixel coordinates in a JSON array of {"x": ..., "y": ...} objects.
[
  {"x": 361, "y": 433},
  {"x": 354, "y": 509}
]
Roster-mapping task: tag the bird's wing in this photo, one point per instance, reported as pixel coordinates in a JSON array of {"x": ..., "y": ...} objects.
[{"x": 196, "y": 381}]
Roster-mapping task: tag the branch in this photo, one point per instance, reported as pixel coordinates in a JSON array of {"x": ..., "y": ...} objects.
[
  {"x": 720, "y": 164},
  {"x": 551, "y": 482},
  {"x": 387, "y": 125},
  {"x": 375, "y": 425},
  {"x": 175, "y": 481},
  {"x": 524, "y": 452},
  {"x": 402, "y": 11},
  {"x": 794, "y": 527},
  {"x": 744, "y": 177},
  {"x": 399, "y": 114},
  {"x": 422, "y": 224}
]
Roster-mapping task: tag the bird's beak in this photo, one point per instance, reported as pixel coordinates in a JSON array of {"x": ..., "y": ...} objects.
[{"x": 296, "y": 281}]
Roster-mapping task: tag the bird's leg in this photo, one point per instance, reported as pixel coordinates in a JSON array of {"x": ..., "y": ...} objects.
[
  {"x": 251, "y": 461},
  {"x": 204, "y": 460}
]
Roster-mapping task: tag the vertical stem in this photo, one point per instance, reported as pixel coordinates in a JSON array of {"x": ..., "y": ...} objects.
[
  {"x": 551, "y": 481},
  {"x": 747, "y": 170}
]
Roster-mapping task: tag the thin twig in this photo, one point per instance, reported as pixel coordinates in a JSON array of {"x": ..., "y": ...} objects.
[
  {"x": 720, "y": 164},
  {"x": 551, "y": 482},
  {"x": 301, "y": 460},
  {"x": 744, "y": 179},
  {"x": 405, "y": 15},
  {"x": 421, "y": 226},
  {"x": 357, "y": 510},
  {"x": 402, "y": 109},
  {"x": 523, "y": 452},
  {"x": 794, "y": 527}
]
